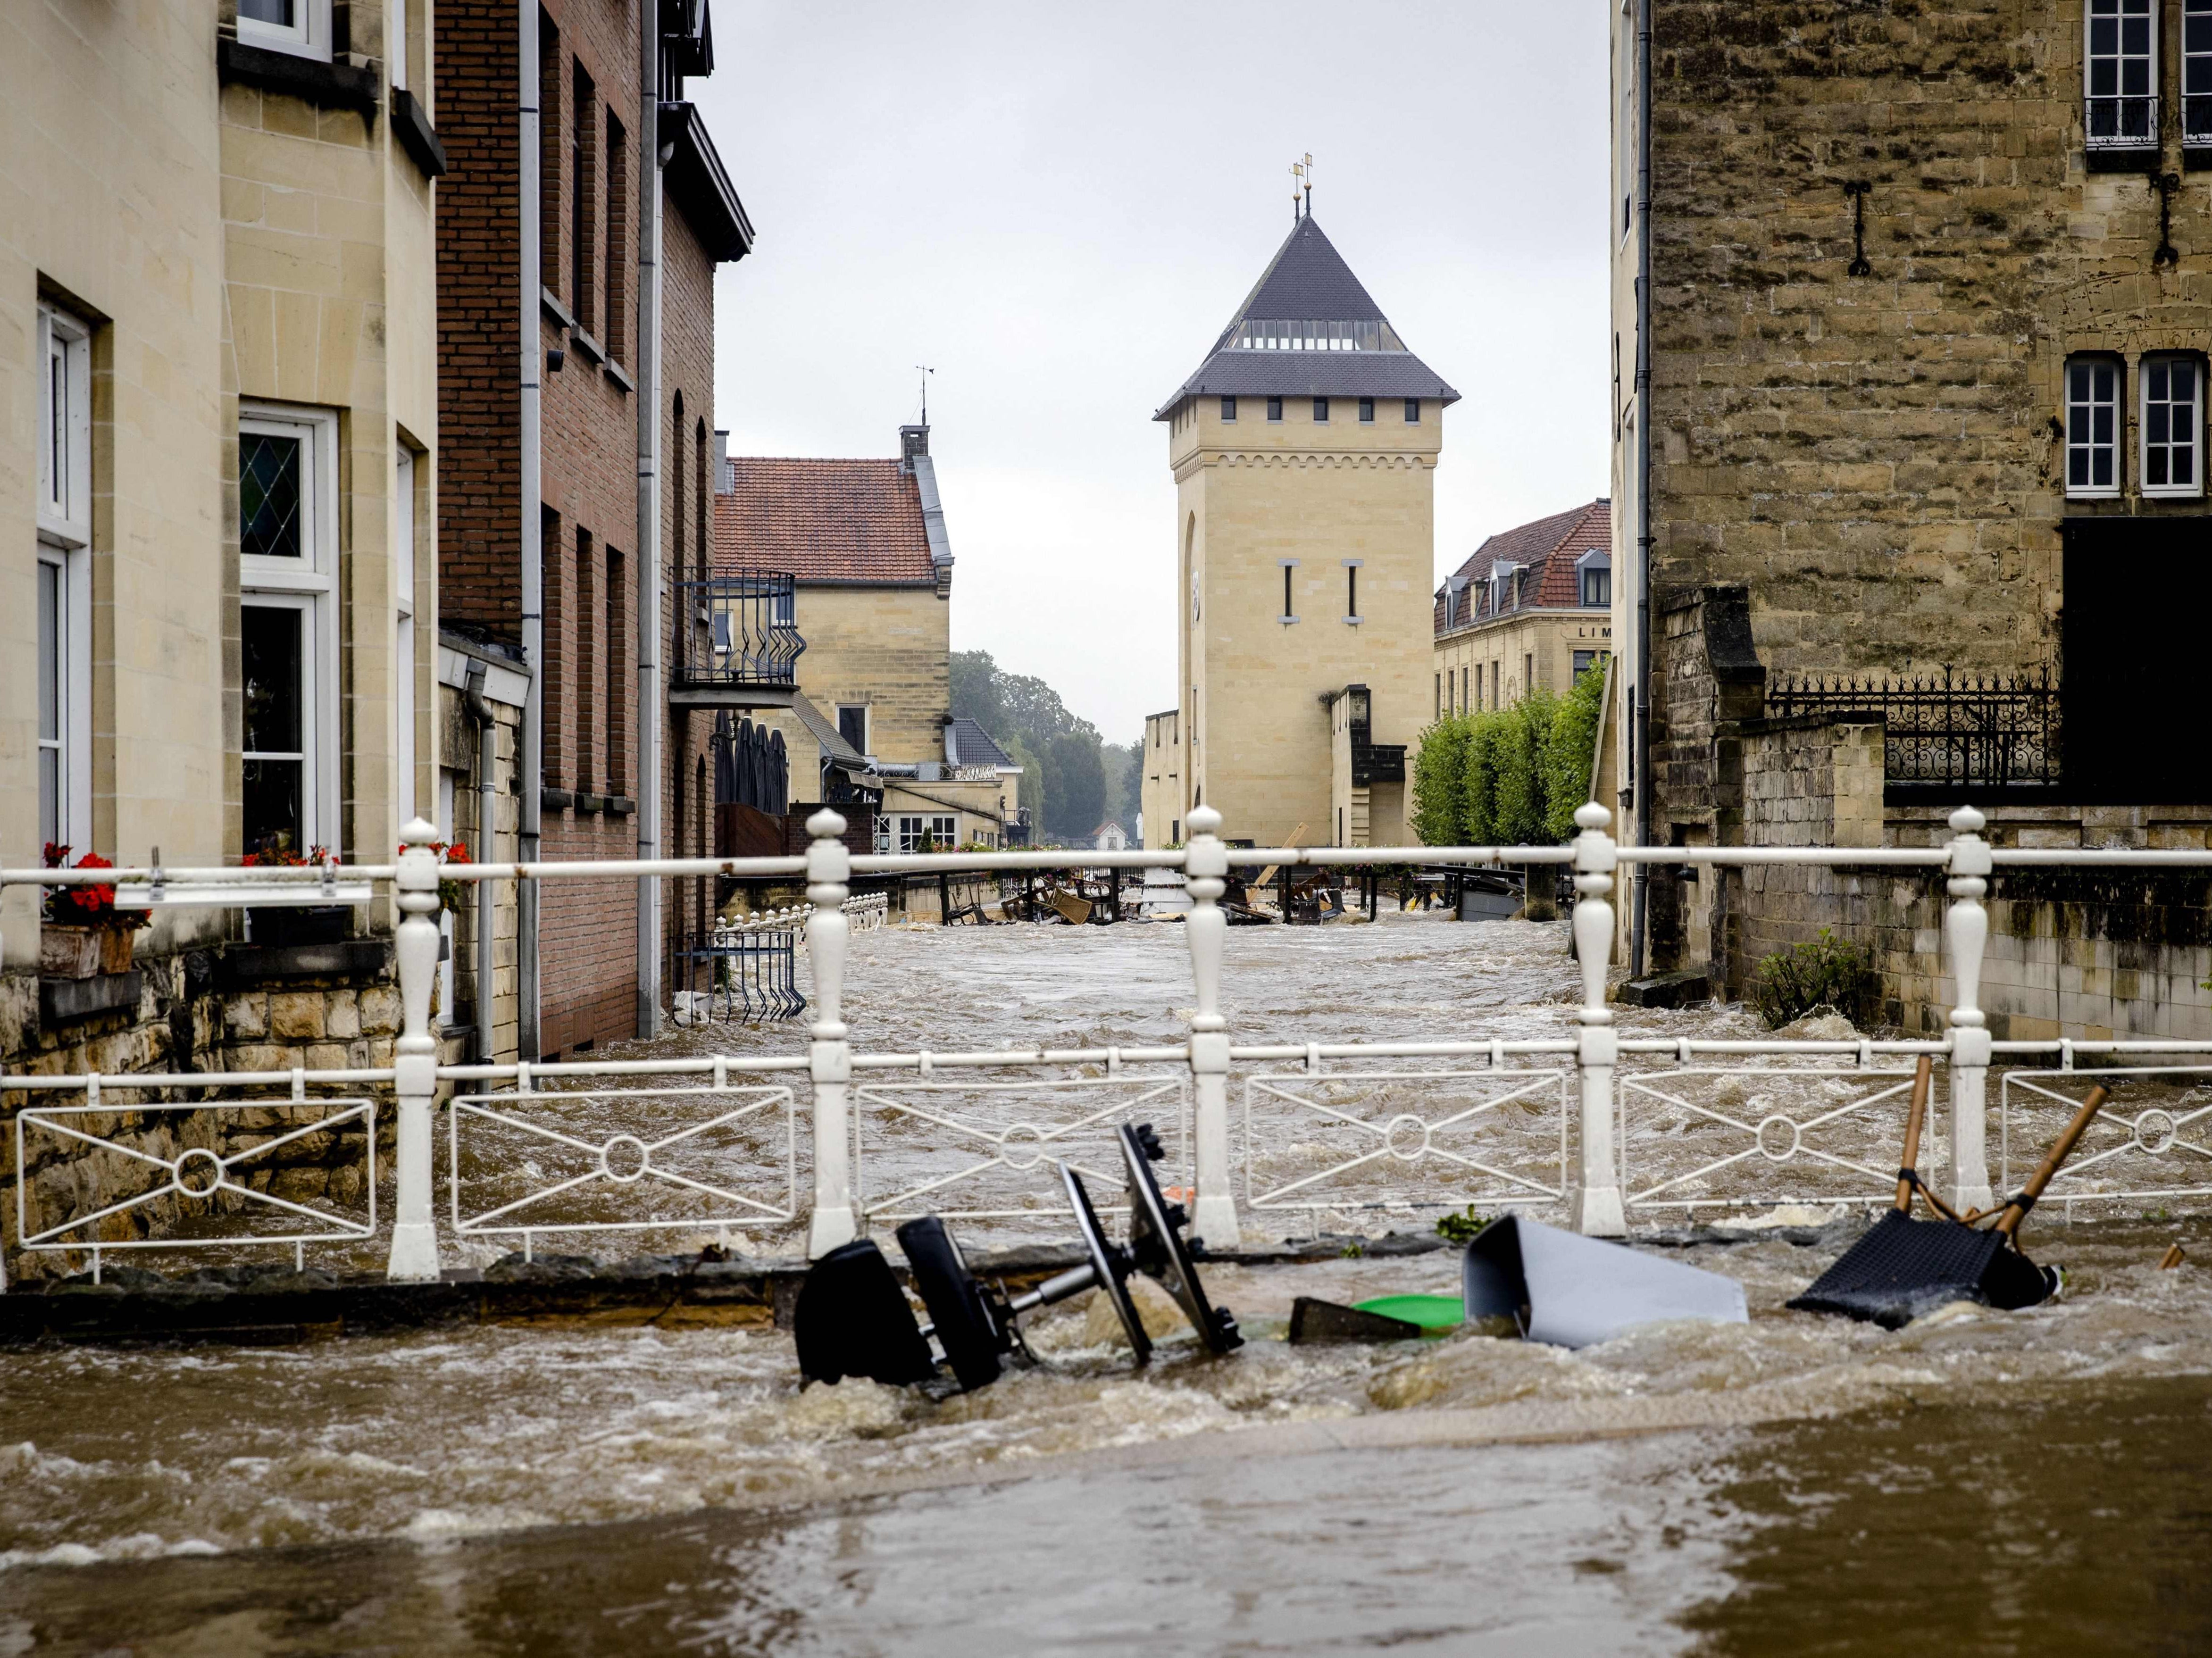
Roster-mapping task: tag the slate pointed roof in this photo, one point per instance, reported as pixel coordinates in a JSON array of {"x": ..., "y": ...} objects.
[{"x": 1309, "y": 282}]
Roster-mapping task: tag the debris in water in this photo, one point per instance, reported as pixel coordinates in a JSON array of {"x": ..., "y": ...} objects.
[
  {"x": 1314, "y": 1320},
  {"x": 1574, "y": 1291},
  {"x": 1903, "y": 1268},
  {"x": 2172, "y": 1259}
]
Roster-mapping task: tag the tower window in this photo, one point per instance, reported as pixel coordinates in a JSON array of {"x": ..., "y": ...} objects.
[
  {"x": 1321, "y": 411},
  {"x": 1289, "y": 604},
  {"x": 2093, "y": 426},
  {"x": 2172, "y": 423},
  {"x": 1351, "y": 590},
  {"x": 1275, "y": 408},
  {"x": 1229, "y": 408},
  {"x": 1412, "y": 411},
  {"x": 1367, "y": 411}
]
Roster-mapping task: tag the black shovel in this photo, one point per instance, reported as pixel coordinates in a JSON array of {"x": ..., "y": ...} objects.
[{"x": 1905, "y": 1267}]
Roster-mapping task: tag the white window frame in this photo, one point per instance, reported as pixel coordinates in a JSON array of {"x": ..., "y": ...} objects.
[
  {"x": 2196, "y": 72},
  {"x": 309, "y": 36},
  {"x": 2092, "y": 490},
  {"x": 403, "y": 655},
  {"x": 2118, "y": 14},
  {"x": 1596, "y": 558},
  {"x": 2191, "y": 447},
  {"x": 309, "y": 584},
  {"x": 65, "y": 545},
  {"x": 943, "y": 829}
]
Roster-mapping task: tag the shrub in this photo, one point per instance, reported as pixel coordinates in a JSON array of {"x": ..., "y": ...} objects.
[
  {"x": 1829, "y": 972},
  {"x": 1576, "y": 723},
  {"x": 1511, "y": 776},
  {"x": 1440, "y": 780}
]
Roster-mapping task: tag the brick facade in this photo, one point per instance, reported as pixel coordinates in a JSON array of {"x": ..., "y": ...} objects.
[{"x": 587, "y": 448}]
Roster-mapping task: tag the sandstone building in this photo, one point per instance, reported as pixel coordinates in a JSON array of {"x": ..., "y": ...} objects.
[
  {"x": 582, "y": 283},
  {"x": 1930, "y": 296},
  {"x": 1530, "y": 610},
  {"x": 217, "y": 278},
  {"x": 1304, "y": 449},
  {"x": 869, "y": 727}
]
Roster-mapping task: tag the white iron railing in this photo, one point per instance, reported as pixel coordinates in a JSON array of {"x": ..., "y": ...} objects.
[{"x": 1409, "y": 1126}]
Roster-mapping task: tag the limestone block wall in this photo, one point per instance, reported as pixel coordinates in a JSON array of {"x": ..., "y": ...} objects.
[{"x": 887, "y": 647}]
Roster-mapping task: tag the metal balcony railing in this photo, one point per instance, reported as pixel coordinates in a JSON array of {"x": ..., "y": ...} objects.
[
  {"x": 2121, "y": 121},
  {"x": 738, "y": 628},
  {"x": 1990, "y": 731}
]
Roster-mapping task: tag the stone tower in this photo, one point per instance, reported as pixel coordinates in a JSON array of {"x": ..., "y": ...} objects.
[{"x": 1303, "y": 450}]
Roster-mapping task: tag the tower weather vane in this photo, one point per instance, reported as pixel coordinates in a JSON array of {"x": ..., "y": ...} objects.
[
  {"x": 927, "y": 371},
  {"x": 1302, "y": 185}
]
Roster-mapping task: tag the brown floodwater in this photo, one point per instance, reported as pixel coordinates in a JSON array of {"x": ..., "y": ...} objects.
[{"x": 1983, "y": 1481}]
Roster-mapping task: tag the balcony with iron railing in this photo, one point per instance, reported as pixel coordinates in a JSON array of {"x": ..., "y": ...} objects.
[
  {"x": 1954, "y": 734},
  {"x": 2124, "y": 122},
  {"x": 737, "y": 643}
]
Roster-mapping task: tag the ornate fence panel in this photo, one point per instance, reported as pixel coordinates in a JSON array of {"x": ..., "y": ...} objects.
[
  {"x": 2152, "y": 1140},
  {"x": 1837, "y": 1131},
  {"x": 977, "y": 1149},
  {"x": 571, "y": 1163},
  {"x": 212, "y": 1175},
  {"x": 1404, "y": 1140},
  {"x": 1980, "y": 731}
]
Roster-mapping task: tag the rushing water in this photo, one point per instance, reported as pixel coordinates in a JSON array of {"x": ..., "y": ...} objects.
[{"x": 1989, "y": 1481}]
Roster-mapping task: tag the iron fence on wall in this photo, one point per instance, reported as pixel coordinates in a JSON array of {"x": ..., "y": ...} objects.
[{"x": 1952, "y": 732}]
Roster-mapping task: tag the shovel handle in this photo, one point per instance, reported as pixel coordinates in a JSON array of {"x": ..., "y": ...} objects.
[
  {"x": 1915, "y": 1113},
  {"x": 2016, "y": 1211}
]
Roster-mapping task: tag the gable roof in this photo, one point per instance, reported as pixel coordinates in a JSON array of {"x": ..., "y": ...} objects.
[
  {"x": 967, "y": 743},
  {"x": 850, "y": 521},
  {"x": 1307, "y": 281},
  {"x": 1548, "y": 549}
]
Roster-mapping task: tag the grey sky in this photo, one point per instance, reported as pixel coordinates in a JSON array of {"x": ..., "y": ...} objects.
[{"x": 1059, "y": 206}]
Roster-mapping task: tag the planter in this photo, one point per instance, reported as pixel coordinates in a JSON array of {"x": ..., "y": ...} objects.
[
  {"x": 115, "y": 948},
  {"x": 284, "y": 926},
  {"x": 68, "y": 952}
]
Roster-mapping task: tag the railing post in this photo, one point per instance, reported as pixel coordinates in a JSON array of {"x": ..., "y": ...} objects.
[
  {"x": 829, "y": 867},
  {"x": 1205, "y": 863},
  {"x": 1597, "y": 1210},
  {"x": 1967, "y": 935},
  {"x": 415, "y": 1065}
]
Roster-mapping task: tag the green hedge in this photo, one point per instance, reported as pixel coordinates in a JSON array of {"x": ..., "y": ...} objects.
[{"x": 1511, "y": 777}]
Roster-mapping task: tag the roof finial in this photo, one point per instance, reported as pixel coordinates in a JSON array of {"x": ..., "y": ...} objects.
[
  {"x": 927, "y": 371},
  {"x": 1308, "y": 178},
  {"x": 1298, "y": 173}
]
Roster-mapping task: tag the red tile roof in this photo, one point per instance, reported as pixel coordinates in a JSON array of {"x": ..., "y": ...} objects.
[
  {"x": 1548, "y": 549},
  {"x": 824, "y": 520}
]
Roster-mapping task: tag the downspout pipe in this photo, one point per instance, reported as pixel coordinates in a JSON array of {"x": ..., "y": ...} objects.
[
  {"x": 530, "y": 492},
  {"x": 1640, "y": 911},
  {"x": 487, "y": 723},
  {"x": 650, "y": 629}
]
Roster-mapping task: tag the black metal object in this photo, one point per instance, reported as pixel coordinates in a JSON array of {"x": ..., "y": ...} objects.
[
  {"x": 735, "y": 630},
  {"x": 974, "y": 1324},
  {"x": 738, "y": 977},
  {"x": 752, "y": 768},
  {"x": 1314, "y": 1322},
  {"x": 1947, "y": 734},
  {"x": 1857, "y": 190}
]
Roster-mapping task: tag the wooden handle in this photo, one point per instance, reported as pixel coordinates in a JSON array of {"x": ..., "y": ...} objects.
[
  {"x": 2016, "y": 1211},
  {"x": 1915, "y": 1115}
]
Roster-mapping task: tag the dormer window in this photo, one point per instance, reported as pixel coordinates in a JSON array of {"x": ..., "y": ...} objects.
[{"x": 1594, "y": 577}]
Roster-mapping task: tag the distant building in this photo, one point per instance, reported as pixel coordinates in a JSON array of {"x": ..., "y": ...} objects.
[
  {"x": 869, "y": 729},
  {"x": 1160, "y": 792},
  {"x": 1110, "y": 836},
  {"x": 1531, "y": 609},
  {"x": 1303, "y": 450}
]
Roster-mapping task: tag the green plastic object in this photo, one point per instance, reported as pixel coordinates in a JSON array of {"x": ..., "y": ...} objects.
[{"x": 1434, "y": 1314}]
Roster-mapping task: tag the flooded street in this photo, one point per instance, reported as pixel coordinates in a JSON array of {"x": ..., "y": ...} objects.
[{"x": 1994, "y": 1482}]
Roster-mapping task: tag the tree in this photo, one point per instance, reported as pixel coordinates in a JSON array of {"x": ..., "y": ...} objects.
[
  {"x": 1068, "y": 776},
  {"x": 1513, "y": 776},
  {"x": 1077, "y": 784}
]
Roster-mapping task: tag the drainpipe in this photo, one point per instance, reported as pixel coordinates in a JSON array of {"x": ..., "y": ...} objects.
[
  {"x": 648, "y": 515},
  {"x": 487, "y": 723},
  {"x": 1641, "y": 688},
  {"x": 530, "y": 490}
]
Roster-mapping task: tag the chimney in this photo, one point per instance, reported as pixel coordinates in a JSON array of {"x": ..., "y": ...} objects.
[
  {"x": 913, "y": 440},
  {"x": 724, "y": 483}
]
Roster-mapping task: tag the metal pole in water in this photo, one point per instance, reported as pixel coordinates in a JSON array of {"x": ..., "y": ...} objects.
[
  {"x": 829, "y": 1057},
  {"x": 1597, "y": 1206},
  {"x": 1205, "y": 865},
  {"x": 415, "y": 1068}
]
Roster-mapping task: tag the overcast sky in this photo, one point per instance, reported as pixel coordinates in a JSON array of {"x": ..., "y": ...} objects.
[{"x": 1058, "y": 207}]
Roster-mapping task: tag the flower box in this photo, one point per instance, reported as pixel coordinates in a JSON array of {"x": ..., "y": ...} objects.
[
  {"x": 69, "y": 952},
  {"x": 284, "y": 925}
]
